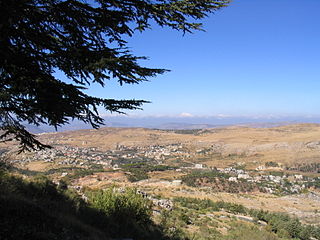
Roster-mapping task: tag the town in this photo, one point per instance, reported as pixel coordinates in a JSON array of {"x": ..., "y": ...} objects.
[{"x": 268, "y": 178}]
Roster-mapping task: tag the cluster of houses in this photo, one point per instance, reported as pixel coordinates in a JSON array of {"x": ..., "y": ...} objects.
[
  {"x": 160, "y": 152},
  {"x": 155, "y": 154},
  {"x": 272, "y": 183},
  {"x": 68, "y": 155}
]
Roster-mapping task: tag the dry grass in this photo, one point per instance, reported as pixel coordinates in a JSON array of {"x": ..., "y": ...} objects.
[{"x": 254, "y": 146}]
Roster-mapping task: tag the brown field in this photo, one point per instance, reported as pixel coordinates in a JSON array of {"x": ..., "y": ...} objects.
[
  {"x": 304, "y": 206},
  {"x": 287, "y": 145}
]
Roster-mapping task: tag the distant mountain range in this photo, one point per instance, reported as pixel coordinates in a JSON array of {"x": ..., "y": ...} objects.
[{"x": 178, "y": 123}]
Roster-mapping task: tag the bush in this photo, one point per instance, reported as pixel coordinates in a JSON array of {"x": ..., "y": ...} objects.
[
  {"x": 122, "y": 206},
  {"x": 209, "y": 205},
  {"x": 38, "y": 209},
  {"x": 127, "y": 214},
  {"x": 285, "y": 226},
  {"x": 241, "y": 231},
  {"x": 193, "y": 178},
  {"x": 139, "y": 171},
  {"x": 271, "y": 164},
  {"x": 137, "y": 175}
]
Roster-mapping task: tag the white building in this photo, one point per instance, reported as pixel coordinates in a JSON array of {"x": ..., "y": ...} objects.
[
  {"x": 198, "y": 166},
  {"x": 243, "y": 176},
  {"x": 233, "y": 179}
]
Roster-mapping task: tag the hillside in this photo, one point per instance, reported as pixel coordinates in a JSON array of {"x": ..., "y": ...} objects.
[
  {"x": 286, "y": 144},
  {"x": 233, "y": 173}
]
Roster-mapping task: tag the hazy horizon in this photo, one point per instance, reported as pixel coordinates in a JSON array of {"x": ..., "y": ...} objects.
[{"x": 181, "y": 122}]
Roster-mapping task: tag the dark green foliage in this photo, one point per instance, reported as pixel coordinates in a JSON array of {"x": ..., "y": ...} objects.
[
  {"x": 281, "y": 225},
  {"x": 271, "y": 164},
  {"x": 275, "y": 173},
  {"x": 85, "y": 41},
  {"x": 173, "y": 222},
  {"x": 316, "y": 232},
  {"x": 137, "y": 175},
  {"x": 240, "y": 231},
  {"x": 305, "y": 167},
  {"x": 139, "y": 171},
  {"x": 39, "y": 210},
  {"x": 197, "y": 204},
  {"x": 218, "y": 182},
  {"x": 127, "y": 205},
  {"x": 61, "y": 170},
  {"x": 129, "y": 211},
  {"x": 286, "y": 226},
  {"x": 191, "y": 179},
  {"x": 79, "y": 173},
  {"x": 315, "y": 183},
  {"x": 146, "y": 167},
  {"x": 21, "y": 219},
  {"x": 209, "y": 205}
]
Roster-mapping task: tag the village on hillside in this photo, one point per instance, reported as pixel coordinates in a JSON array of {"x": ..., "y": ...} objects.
[{"x": 270, "y": 177}]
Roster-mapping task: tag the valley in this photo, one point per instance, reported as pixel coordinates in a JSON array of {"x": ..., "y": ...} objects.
[{"x": 272, "y": 169}]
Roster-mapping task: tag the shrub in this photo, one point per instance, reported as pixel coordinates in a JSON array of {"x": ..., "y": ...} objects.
[
  {"x": 37, "y": 209},
  {"x": 271, "y": 164},
  {"x": 124, "y": 208},
  {"x": 137, "y": 175},
  {"x": 241, "y": 231}
]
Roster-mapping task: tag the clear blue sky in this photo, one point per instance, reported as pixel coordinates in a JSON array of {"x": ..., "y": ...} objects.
[{"x": 257, "y": 57}]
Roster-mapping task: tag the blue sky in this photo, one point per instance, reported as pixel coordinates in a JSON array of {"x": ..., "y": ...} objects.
[{"x": 256, "y": 58}]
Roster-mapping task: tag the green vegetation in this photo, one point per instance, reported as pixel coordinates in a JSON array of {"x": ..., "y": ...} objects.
[
  {"x": 136, "y": 160},
  {"x": 276, "y": 173},
  {"x": 198, "y": 213},
  {"x": 315, "y": 183},
  {"x": 191, "y": 179},
  {"x": 79, "y": 173},
  {"x": 38, "y": 209},
  {"x": 128, "y": 210},
  {"x": 279, "y": 225},
  {"x": 139, "y": 171},
  {"x": 305, "y": 167},
  {"x": 271, "y": 164},
  {"x": 207, "y": 205},
  {"x": 218, "y": 181},
  {"x": 240, "y": 231},
  {"x": 286, "y": 226}
]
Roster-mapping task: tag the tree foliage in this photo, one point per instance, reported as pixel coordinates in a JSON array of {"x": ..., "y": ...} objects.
[{"x": 86, "y": 41}]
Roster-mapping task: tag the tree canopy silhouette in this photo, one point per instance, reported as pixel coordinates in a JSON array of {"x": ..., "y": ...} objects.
[{"x": 84, "y": 40}]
